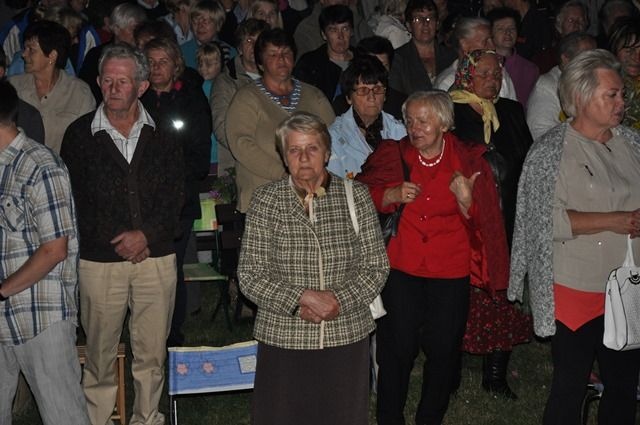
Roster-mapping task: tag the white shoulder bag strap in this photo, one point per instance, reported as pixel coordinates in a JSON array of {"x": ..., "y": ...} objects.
[{"x": 376, "y": 307}]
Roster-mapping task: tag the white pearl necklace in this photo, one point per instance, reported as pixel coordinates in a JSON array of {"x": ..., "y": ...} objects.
[{"x": 437, "y": 161}]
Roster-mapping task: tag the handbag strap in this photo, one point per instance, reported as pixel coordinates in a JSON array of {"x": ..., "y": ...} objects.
[
  {"x": 629, "y": 261},
  {"x": 348, "y": 188},
  {"x": 406, "y": 174}
]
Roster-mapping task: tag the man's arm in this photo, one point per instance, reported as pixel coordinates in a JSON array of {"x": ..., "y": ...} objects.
[{"x": 46, "y": 257}]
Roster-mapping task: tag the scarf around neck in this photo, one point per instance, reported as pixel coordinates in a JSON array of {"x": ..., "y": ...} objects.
[
  {"x": 489, "y": 114},
  {"x": 373, "y": 133}
]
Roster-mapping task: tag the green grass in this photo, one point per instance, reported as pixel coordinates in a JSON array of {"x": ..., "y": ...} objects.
[{"x": 530, "y": 375}]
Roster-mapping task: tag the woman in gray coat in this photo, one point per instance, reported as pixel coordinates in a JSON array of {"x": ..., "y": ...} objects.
[
  {"x": 578, "y": 200},
  {"x": 312, "y": 276}
]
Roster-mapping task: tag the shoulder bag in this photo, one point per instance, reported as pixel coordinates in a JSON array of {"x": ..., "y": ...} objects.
[{"x": 622, "y": 305}]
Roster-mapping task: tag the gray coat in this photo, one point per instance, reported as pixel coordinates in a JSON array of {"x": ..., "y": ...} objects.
[
  {"x": 282, "y": 253},
  {"x": 532, "y": 249}
]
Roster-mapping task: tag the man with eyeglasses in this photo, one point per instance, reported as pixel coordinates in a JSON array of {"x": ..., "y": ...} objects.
[{"x": 417, "y": 63}]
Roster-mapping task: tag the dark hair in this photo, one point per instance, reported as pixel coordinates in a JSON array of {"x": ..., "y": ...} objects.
[
  {"x": 275, "y": 36},
  {"x": 156, "y": 29},
  {"x": 500, "y": 13},
  {"x": 375, "y": 45},
  {"x": 248, "y": 27},
  {"x": 9, "y": 104},
  {"x": 418, "y": 5},
  {"x": 3, "y": 59},
  {"x": 626, "y": 34},
  {"x": 363, "y": 69},
  {"x": 50, "y": 37},
  {"x": 336, "y": 14},
  {"x": 569, "y": 45},
  {"x": 607, "y": 9}
]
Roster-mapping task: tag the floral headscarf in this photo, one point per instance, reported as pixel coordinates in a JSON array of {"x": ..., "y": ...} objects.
[
  {"x": 467, "y": 68},
  {"x": 460, "y": 90}
]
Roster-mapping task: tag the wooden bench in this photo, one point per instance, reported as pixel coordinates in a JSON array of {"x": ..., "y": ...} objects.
[{"x": 119, "y": 412}]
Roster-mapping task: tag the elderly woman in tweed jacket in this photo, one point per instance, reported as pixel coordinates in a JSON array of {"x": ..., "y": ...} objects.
[
  {"x": 578, "y": 199},
  {"x": 312, "y": 276}
]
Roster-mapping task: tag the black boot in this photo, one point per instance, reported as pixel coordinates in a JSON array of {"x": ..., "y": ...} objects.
[{"x": 494, "y": 374}]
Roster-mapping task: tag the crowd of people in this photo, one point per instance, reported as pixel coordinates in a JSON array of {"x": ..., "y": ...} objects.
[{"x": 495, "y": 140}]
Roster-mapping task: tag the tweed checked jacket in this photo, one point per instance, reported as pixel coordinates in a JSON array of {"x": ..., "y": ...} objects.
[
  {"x": 532, "y": 249},
  {"x": 282, "y": 252}
]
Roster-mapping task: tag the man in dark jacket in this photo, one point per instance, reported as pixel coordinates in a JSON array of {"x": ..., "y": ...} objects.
[{"x": 127, "y": 178}]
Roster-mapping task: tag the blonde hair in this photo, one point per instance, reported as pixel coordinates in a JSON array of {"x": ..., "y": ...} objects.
[
  {"x": 209, "y": 8},
  {"x": 207, "y": 50},
  {"x": 579, "y": 79}
]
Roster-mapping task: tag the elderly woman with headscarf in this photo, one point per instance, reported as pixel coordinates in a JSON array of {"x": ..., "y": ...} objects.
[
  {"x": 483, "y": 118},
  {"x": 312, "y": 270},
  {"x": 578, "y": 202},
  {"x": 450, "y": 235},
  {"x": 357, "y": 132},
  {"x": 59, "y": 97}
]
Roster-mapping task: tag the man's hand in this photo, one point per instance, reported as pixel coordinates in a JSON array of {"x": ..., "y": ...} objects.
[{"x": 131, "y": 245}]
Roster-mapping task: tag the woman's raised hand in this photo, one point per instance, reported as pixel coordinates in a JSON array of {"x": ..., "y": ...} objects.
[{"x": 462, "y": 189}]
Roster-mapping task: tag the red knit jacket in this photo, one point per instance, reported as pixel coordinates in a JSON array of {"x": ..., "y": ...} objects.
[{"x": 489, "y": 251}]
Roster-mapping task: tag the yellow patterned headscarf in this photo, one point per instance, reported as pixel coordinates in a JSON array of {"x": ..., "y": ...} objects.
[{"x": 460, "y": 90}]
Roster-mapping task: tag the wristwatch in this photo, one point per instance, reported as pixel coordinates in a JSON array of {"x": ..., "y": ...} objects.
[{"x": 2, "y": 297}]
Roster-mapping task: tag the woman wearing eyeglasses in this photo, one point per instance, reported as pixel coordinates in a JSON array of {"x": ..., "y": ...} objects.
[
  {"x": 416, "y": 64},
  {"x": 356, "y": 133}
]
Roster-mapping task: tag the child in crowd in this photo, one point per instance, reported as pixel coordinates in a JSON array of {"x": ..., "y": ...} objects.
[{"x": 209, "y": 60}]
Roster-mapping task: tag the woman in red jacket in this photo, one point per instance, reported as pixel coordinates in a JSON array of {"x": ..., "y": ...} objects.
[{"x": 450, "y": 235}]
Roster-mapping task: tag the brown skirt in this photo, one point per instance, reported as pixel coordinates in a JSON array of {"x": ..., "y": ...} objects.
[{"x": 329, "y": 386}]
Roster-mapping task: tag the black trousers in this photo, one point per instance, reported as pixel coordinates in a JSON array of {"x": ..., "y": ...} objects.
[
  {"x": 180, "y": 310},
  {"x": 573, "y": 354},
  {"x": 421, "y": 313}
]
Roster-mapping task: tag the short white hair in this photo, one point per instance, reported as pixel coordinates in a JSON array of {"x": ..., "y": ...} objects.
[
  {"x": 438, "y": 101},
  {"x": 579, "y": 78}
]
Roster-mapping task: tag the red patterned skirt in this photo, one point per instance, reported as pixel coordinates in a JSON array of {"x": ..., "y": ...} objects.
[{"x": 494, "y": 324}]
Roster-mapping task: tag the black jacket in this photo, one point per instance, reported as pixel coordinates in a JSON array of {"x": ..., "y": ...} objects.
[
  {"x": 184, "y": 114},
  {"x": 113, "y": 196},
  {"x": 316, "y": 68}
]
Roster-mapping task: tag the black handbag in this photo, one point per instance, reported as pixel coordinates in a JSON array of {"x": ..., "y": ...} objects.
[{"x": 390, "y": 222}]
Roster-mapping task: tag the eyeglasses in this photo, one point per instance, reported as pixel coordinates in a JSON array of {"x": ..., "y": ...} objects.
[
  {"x": 364, "y": 91},
  {"x": 162, "y": 63},
  {"x": 203, "y": 20},
  {"x": 424, "y": 20}
]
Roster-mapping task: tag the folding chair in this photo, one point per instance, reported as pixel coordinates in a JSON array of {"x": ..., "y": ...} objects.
[
  {"x": 198, "y": 370},
  {"x": 204, "y": 272}
]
